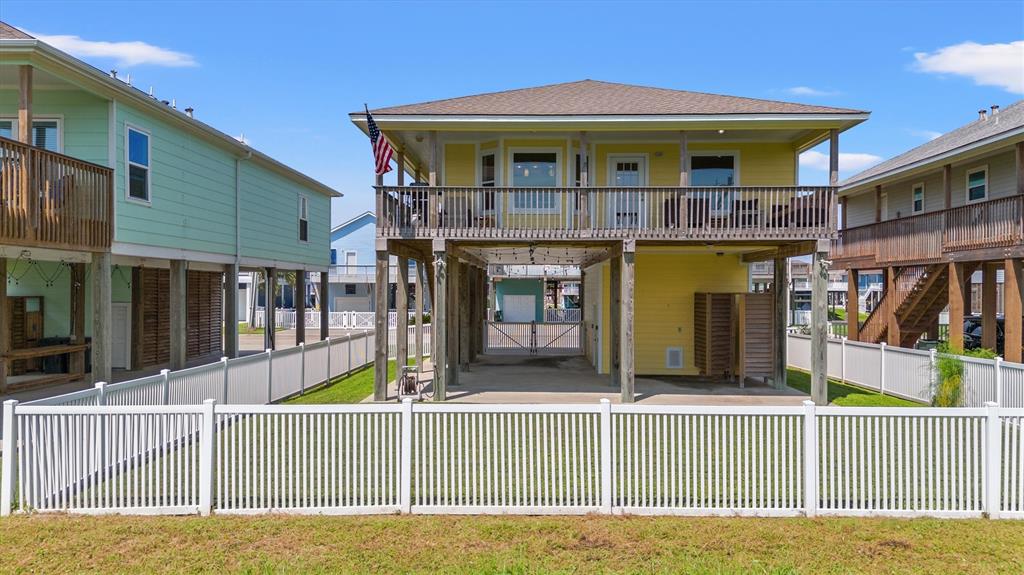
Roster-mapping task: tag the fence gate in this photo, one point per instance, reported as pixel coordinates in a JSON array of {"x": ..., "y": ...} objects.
[{"x": 532, "y": 338}]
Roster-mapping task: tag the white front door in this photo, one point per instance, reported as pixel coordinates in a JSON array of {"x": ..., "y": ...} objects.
[
  {"x": 120, "y": 335},
  {"x": 518, "y": 308},
  {"x": 626, "y": 208}
]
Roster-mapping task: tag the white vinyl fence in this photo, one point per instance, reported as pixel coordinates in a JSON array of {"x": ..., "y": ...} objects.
[
  {"x": 909, "y": 373},
  {"x": 537, "y": 459},
  {"x": 259, "y": 378},
  {"x": 286, "y": 319}
]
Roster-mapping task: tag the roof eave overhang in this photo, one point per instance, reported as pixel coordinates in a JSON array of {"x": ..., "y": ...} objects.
[
  {"x": 964, "y": 152},
  {"x": 841, "y": 121},
  {"x": 79, "y": 73}
]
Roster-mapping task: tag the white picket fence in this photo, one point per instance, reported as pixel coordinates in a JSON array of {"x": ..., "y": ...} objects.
[
  {"x": 909, "y": 373},
  {"x": 286, "y": 319},
  {"x": 535, "y": 459}
]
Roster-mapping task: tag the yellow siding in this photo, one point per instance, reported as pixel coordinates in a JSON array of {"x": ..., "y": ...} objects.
[
  {"x": 760, "y": 164},
  {"x": 663, "y": 316},
  {"x": 460, "y": 164}
]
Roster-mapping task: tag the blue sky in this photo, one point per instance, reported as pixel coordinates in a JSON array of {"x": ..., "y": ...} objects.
[{"x": 286, "y": 74}]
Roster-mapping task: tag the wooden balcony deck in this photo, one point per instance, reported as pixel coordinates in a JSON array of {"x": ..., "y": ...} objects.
[
  {"x": 54, "y": 201},
  {"x": 985, "y": 230},
  {"x": 661, "y": 213}
]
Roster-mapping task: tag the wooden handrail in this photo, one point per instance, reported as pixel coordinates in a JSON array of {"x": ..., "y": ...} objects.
[
  {"x": 928, "y": 237},
  {"x": 706, "y": 213},
  {"x": 52, "y": 200}
]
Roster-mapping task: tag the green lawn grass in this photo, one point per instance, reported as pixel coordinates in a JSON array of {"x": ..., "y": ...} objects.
[
  {"x": 846, "y": 395},
  {"x": 454, "y": 544},
  {"x": 245, "y": 329},
  {"x": 352, "y": 388}
]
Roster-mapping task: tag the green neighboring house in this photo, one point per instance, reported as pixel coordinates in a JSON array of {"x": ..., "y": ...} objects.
[{"x": 124, "y": 222}]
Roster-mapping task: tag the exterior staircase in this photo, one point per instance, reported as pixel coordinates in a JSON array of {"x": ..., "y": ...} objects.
[{"x": 922, "y": 292}]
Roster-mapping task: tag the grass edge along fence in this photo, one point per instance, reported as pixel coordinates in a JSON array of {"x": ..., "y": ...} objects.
[
  {"x": 527, "y": 459},
  {"x": 911, "y": 373}
]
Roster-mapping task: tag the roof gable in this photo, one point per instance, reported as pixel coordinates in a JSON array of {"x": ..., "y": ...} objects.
[
  {"x": 345, "y": 228},
  {"x": 8, "y": 32},
  {"x": 596, "y": 98},
  {"x": 1010, "y": 119}
]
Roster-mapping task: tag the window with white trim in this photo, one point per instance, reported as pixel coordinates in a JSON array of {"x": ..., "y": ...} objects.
[
  {"x": 303, "y": 219},
  {"x": 138, "y": 161},
  {"x": 977, "y": 184},
  {"x": 534, "y": 169},
  {"x": 46, "y": 133},
  {"x": 917, "y": 199}
]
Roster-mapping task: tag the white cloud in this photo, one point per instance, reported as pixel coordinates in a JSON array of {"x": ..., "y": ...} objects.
[
  {"x": 808, "y": 91},
  {"x": 999, "y": 65},
  {"x": 848, "y": 162},
  {"x": 134, "y": 53},
  {"x": 926, "y": 134}
]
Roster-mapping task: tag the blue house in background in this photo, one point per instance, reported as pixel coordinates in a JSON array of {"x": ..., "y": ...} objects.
[{"x": 352, "y": 258}]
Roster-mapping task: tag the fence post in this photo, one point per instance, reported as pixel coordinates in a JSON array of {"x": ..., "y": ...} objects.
[
  {"x": 101, "y": 393},
  {"x": 302, "y": 368},
  {"x": 842, "y": 355},
  {"x": 348, "y": 350},
  {"x": 933, "y": 375},
  {"x": 206, "y": 442},
  {"x": 999, "y": 381},
  {"x": 606, "y": 455},
  {"x": 9, "y": 457},
  {"x": 881, "y": 366},
  {"x": 810, "y": 459},
  {"x": 224, "y": 366},
  {"x": 270, "y": 376},
  {"x": 366, "y": 347},
  {"x": 166, "y": 375},
  {"x": 993, "y": 451},
  {"x": 328, "y": 359},
  {"x": 405, "y": 491}
]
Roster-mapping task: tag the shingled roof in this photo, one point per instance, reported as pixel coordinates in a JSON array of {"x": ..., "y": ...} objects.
[
  {"x": 595, "y": 98},
  {"x": 8, "y": 32},
  {"x": 1009, "y": 119}
]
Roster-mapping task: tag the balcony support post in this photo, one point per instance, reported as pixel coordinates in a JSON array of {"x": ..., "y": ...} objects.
[
  {"x": 833, "y": 160},
  {"x": 325, "y": 305},
  {"x": 852, "y": 305},
  {"x": 5, "y": 334},
  {"x": 25, "y": 104},
  {"x": 780, "y": 289},
  {"x": 956, "y": 306},
  {"x": 178, "y": 304},
  {"x": 878, "y": 203},
  {"x": 1013, "y": 331},
  {"x": 988, "y": 305},
  {"x": 299, "y": 298},
  {"x": 465, "y": 305},
  {"x": 400, "y": 173},
  {"x": 420, "y": 286},
  {"x": 101, "y": 293},
  {"x": 614, "y": 320},
  {"x": 893, "y": 332},
  {"x": 452, "y": 295},
  {"x": 402, "y": 313},
  {"x": 432, "y": 203},
  {"x": 231, "y": 309},
  {"x": 584, "y": 183},
  {"x": 439, "y": 320},
  {"x": 627, "y": 354},
  {"x": 380, "y": 334},
  {"x": 819, "y": 324}
]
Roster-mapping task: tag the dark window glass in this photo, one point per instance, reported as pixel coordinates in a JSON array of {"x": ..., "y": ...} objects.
[
  {"x": 304, "y": 230},
  {"x": 137, "y": 182},
  {"x": 350, "y": 289},
  {"x": 712, "y": 171},
  {"x": 487, "y": 171}
]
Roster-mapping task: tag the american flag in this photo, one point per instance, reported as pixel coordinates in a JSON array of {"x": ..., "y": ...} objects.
[{"x": 382, "y": 150}]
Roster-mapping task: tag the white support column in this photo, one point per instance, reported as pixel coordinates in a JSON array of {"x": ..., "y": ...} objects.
[
  {"x": 993, "y": 453},
  {"x": 178, "y": 300},
  {"x": 7, "y": 468},
  {"x": 101, "y": 319},
  {"x": 607, "y": 465},
  {"x": 405, "y": 473},
  {"x": 810, "y": 460}
]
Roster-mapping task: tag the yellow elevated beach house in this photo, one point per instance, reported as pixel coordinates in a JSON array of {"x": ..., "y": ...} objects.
[{"x": 662, "y": 197}]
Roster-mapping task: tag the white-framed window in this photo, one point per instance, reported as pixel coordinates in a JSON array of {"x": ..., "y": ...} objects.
[
  {"x": 47, "y": 133},
  {"x": 303, "y": 218},
  {"x": 535, "y": 168},
  {"x": 917, "y": 198},
  {"x": 138, "y": 156},
  {"x": 977, "y": 184}
]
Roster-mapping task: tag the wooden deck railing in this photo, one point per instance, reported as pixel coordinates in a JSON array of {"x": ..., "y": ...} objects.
[
  {"x": 52, "y": 200},
  {"x": 725, "y": 213},
  {"x": 930, "y": 237}
]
